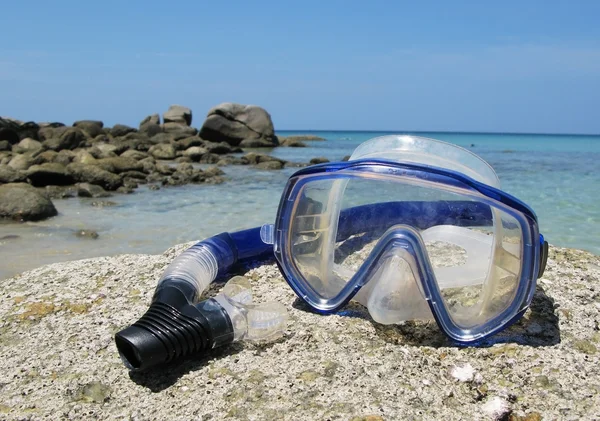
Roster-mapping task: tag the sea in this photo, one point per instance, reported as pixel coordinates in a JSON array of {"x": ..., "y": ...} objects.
[{"x": 557, "y": 175}]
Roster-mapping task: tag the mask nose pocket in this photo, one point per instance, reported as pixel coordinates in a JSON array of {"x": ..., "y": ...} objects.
[{"x": 394, "y": 294}]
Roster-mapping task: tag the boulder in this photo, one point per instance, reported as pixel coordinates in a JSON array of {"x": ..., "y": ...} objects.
[
  {"x": 93, "y": 174},
  {"x": 151, "y": 119},
  {"x": 5, "y": 145},
  {"x": 133, "y": 154},
  {"x": 257, "y": 158},
  {"x": 22, "y": 202},
  {"x": 65, "y": 157},
  {"x": 188, "y": 142},
  {"x": 91, "y": 128},
  {"x": 119, "y": 164},
  {"x": 218, "y": 148},
  {"x": 104, "y": 150},
  {"x": 27, "y": 145},
  {"x": 65, "y": 138},
  {"x": 10, "y": 135},
  {"x": 84, "y": 157},
  {"x": 233, "y": 123},
  {"x": 209, "y": 158},
  {"x": 10, "y": 175},
  {"x": 49, "y": 174},
  {"x": 91, "y": 190},
  {"x": 46, "y": 156},
  {"x": 270, "y": 165},
  {"x": 163, "y": 151},
  {"x": 319, "y": 160},
  {"x": 28, "y": 130},
  {"x": 21, "y": 162},
  {"x": 178, "y": 114},
  {"x": 150, "y": 129},
  {"x": 121, "y": 130},
  {"x": 195, "y": 153},
  {"x": 179, "y": 130},
  {"x": 292, "y": 143},
  {"x": 60, "y": 192}
]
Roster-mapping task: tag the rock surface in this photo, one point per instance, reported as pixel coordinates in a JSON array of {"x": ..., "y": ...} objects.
[
  {"x": 178, "y": 114},
  {"x": 22, "y": 202},
  {"x": 234, "y": 123},
  {"x": 344, "y": 366}
]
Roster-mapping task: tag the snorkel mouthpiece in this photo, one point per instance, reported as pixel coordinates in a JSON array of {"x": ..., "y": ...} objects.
[
  {"x": 176, "y": 325},
  {"x": 173, "y": 328}
]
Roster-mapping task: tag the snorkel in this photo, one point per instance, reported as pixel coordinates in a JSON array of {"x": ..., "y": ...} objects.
[{"x": 177, "y": 324}]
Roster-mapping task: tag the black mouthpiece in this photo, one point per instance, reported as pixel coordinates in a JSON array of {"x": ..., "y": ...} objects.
[{"x": 173, "y": 328}]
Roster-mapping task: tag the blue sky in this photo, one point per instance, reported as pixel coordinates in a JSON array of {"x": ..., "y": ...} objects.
[{"x": 522, "y": 66}]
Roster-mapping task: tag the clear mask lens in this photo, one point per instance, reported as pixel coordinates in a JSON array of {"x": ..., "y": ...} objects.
[{"x": 473, "y": 249}]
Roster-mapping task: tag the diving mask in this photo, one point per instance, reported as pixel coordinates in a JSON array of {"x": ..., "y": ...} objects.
[{"x": 412, "y": 228}]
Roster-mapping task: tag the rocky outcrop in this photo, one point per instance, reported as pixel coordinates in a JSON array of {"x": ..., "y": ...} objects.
[
  {"x": 22, "y": 202},
  {"x": 341, "y": 367},
  {"x": 178, "y": 114},
  {"x": 92, "y": 128},
  {"x": 234, "y": 123}
]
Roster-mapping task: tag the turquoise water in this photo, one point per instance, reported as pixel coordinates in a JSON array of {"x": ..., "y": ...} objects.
[{"x": 558, "y": 175}]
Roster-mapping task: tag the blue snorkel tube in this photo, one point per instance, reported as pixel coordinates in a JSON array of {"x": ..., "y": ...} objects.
[{"x": 178, "y": 325}]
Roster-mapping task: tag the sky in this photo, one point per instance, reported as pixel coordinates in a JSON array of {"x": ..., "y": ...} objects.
[{"x": 509, "y": 66}]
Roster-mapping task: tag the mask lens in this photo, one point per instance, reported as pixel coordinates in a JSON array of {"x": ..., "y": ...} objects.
[
  {"x": 478, "y": 283},
  {"x": 473, "y": 248}
]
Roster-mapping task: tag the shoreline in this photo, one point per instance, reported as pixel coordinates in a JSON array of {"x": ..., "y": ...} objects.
[{"x": 338, "y": 366}]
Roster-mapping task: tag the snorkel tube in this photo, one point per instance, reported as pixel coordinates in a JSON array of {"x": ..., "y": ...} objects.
[{"x": 177, "y": 325}]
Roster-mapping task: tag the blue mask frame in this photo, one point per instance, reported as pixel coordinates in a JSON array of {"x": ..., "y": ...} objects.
[{"x": 410, "y": 213}]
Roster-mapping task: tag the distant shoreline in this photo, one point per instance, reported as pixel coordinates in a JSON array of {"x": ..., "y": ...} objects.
[{"x": 438, "y": 131}]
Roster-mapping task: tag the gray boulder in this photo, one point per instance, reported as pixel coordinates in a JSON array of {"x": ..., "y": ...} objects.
[
  {"x": 178, "y": 114},
  {"x": 94, "y": 175},
  {"x": 133, "y": 154},
  {"x": 92, "y": 128},
  {"x": 270, "y": 165},
  {"x": 65, "y": 157},
  {"x": 218, "y": 148},
  {"x": 91, "y": 190},
  {"x": 292, "y": 143},
  {"x": 5, "y": 145},
  {"x": 233, "y": 123},
  {"x": 9, "y": 130},
  {"x": 319, "y": 160},
  {"x": 27, "y": 145},
  {"x": 84, "y": 157},
  {"x": 195, "y": 153},
  {"x": 188, "y": 142},
  {"x": 10, "y": 175},
  {"x": 46, "y": 156},
  {"x": 163, "y": 151},
  {"x": 64, "y": 138},
  {"x": 22, "y": 202},
  {"x": 50, "y": 174},
  {"x": 151, "y": 119},
  {"x": 179, "y": 130},
  {"x": 150, "y": 129},
  {"x": 119, "y": 164},
  {"x": 119, "y": 130},
  {"x": 21, "y": 162}
]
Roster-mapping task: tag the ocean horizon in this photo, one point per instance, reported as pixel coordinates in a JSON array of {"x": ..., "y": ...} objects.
[{"x": 556, "y": 174}]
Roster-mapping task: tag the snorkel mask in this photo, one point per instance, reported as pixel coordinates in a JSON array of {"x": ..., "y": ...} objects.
[{"x": 412, "y": 228}]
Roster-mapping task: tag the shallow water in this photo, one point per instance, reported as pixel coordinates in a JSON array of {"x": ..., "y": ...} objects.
[{"x": 557, "y": 175}]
